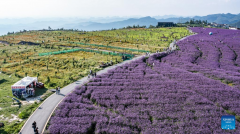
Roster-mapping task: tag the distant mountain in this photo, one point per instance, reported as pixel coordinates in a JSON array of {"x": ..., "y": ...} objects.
[
  {"x": 104, "y": 23},
  {"x": 118, "y": 24},
  {"x": 221, "y": 18},
  {"x": 236, "y": 24},
  {"x": 218, "y": 18}
]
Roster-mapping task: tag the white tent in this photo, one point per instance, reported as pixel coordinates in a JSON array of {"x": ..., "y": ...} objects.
[
  {"x": 19, "y": 88},
  {"x": 23, "y": 83}
]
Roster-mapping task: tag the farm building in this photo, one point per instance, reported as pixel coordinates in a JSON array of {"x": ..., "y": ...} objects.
[
  {"x": 233, "y": 28},
  {"x": 165, "y": 24}
]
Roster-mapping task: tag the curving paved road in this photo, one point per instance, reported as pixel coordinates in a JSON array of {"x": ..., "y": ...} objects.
[{"x": 45, "y": 110}]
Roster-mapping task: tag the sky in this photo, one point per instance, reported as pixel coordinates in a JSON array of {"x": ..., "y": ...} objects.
[{"x": 109, "y": 8}]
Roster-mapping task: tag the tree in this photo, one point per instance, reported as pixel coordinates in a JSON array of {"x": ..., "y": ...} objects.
[
  {"x": 48, "y": 79},
  {"x": 151, "y": 26},
  {"x": 191, "y": 22}
]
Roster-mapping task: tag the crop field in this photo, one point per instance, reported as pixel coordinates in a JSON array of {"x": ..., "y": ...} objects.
[
  {"x": 21, "y": 56},
  {"x": 21, "y": 60},
  {"x": 139, "y": 39},
  {"x": 18, "y": 61},
  {"x": 186, "y": 91}
]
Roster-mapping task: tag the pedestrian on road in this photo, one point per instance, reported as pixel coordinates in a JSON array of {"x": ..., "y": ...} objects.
[
  {"x": 58, "y": 90},
  {"x": 36, "y": 131},
  {"x": 34, "y": 124}
]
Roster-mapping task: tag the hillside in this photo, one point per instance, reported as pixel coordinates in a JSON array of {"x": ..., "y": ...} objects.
[
  {"x": 236, "y": 24},
  {"x": 136, "y": 38},
  {"x": 120, "y": 24},
  {"x": 186, "y": 91},
  {"x": 59, "y": 58},
  {"x": 218, "y": 18}
]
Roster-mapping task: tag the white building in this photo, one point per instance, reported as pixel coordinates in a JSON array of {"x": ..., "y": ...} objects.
[{"x": 233, "y": 28}]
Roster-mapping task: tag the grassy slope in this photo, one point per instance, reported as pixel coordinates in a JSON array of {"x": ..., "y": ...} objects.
[
  {"x": 21, "y": 59},
  {"x": 142, "y": 39}
]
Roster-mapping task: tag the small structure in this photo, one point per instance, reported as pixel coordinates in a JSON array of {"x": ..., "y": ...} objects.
[
  {"x": 25, "y": 87},
  {"x": 233, "y": 28}
]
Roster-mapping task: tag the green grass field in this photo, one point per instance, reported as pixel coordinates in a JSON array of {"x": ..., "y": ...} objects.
[{"x": 137, "y": 38}]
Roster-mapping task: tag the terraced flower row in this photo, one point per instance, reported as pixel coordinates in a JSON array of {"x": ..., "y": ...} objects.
[{"x": 175, "y": 95}]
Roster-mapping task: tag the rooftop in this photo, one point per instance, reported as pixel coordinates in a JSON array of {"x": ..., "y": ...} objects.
[{"x": 25, "y": 81}]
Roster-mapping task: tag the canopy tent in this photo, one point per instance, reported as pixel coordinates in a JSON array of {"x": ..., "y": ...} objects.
[
  {"x": 19, "y": 87},
  {"x": 25, "y": 81}
]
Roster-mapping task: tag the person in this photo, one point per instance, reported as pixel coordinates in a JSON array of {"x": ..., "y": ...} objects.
[
  {"x": 27, "y": 90},
  {"x": 56, "y": 90},
  {"x": 90, "y": 72},
  {"x": 88, "y": 76},
  {"x": 36, "y": 130},
  {"x": 33, "y": 92},
  {"x": 95, "y": 74},
  {"x": 34, "y": 124},
  {"x": 153, "y": 64},
  {"x": 14, "y": 93},
  {"x": 30, "y": 92}
]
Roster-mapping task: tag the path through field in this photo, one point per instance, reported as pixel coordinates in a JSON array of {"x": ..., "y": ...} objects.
[{"x": 42, "y": 114}]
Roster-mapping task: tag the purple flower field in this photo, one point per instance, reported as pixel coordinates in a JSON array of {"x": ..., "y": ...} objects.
[{"x": 186, "y": 91}]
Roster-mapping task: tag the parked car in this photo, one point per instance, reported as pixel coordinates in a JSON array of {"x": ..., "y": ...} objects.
[{"x": 40, "y": 85}]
